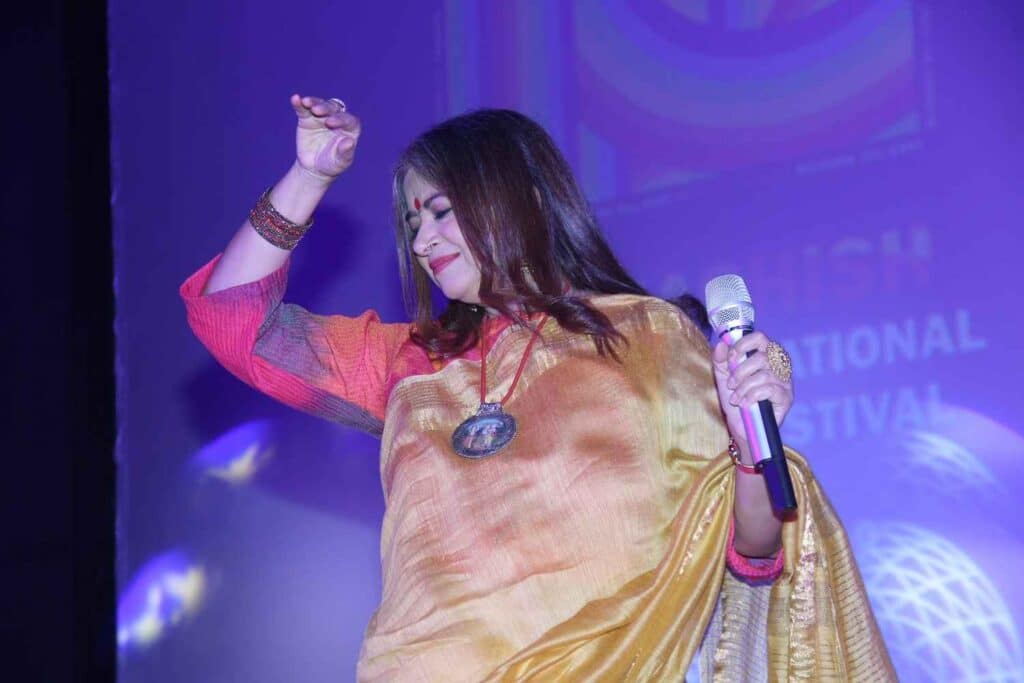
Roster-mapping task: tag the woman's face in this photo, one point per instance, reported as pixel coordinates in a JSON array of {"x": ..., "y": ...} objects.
[{"x": 437, "y": 240}]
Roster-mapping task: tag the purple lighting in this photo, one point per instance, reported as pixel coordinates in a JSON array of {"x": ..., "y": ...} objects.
[
  {"x": 237, "y": 455},
  {"x": 168, "y": 589}
]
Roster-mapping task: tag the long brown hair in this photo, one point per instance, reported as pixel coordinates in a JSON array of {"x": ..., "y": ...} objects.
[{"x": 526, "y": 221}]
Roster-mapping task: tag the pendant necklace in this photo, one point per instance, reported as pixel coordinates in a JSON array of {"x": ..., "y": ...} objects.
[{"x": 490, "y": 429}]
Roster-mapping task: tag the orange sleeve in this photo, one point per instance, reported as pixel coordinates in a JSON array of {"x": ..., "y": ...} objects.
[{"x": 334, "y": 367}]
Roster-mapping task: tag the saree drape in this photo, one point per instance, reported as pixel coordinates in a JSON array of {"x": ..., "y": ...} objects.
[{"x": 593, "y": 548}]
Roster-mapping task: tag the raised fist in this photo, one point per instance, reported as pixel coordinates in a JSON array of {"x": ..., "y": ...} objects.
[{"x": 325, "y": 141}]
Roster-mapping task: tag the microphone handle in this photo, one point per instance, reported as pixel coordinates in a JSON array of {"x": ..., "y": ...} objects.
[
  {"x": 775, "y": 469},
  {"x": 765, "y": 442}
]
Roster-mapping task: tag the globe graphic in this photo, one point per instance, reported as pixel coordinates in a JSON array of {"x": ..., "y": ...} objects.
[
  {"x": 945, "y": 468},
  {"x": 941, "y": 616}
]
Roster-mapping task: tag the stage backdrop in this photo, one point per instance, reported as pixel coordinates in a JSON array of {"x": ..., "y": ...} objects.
[{"x": 859, "y": 162}]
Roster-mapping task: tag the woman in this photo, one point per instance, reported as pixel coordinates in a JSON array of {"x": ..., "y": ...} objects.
[{"x": 562, "y": 492}]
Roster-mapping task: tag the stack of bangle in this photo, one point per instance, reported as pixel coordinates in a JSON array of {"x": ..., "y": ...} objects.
[
  {"x": 734, "y": 452},
  {"x": 273, "y": 227}
]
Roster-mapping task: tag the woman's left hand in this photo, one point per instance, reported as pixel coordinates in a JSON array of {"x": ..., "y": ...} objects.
[{"x": 744, "y": 381}]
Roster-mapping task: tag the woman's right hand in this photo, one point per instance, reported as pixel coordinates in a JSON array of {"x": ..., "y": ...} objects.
[{"x": 325, "y": 142}]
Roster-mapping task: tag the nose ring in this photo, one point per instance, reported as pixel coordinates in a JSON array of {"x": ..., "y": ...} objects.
[{"x": 429, "y": 248}]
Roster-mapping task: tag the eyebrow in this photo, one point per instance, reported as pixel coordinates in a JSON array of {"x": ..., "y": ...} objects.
[{"x": 426, "y": 204}]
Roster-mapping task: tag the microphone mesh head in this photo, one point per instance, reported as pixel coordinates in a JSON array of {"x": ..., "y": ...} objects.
[{"x": 728, "y": 303}]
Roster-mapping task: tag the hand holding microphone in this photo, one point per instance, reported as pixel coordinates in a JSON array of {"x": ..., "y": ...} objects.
[{"x": 754, "y": 387}]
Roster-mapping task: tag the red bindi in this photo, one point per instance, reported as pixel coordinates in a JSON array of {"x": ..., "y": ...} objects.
[{"x": 416, "y": 203}]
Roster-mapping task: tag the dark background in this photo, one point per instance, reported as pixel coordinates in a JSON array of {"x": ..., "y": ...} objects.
[{"x": 57, "y": 563}]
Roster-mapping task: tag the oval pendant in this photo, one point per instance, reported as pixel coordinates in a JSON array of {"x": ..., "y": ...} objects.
[{"x": 485, "y": 433}]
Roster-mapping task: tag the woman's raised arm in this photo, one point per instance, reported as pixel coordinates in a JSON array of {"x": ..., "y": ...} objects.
[{"x": 325, "y": 142}]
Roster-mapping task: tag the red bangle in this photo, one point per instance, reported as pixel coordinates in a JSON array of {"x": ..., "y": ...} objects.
[
  {"x": 751, "y": 569},
  {"x": 734, "y": 453},
  {"x": 273, "y": 227}
]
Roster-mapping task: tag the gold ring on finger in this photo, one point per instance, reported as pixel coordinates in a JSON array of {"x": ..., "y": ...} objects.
[{"x": 779, "y": 362}]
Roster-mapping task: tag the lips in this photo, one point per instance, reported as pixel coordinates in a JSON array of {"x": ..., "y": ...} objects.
[{"x": 440, "y": 263}]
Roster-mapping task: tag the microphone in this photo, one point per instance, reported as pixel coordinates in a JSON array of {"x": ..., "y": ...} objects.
[{"x": 732, "y": 316}]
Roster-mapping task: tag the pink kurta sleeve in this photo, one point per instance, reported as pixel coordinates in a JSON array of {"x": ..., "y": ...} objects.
[{"x": 334, "y": 367}]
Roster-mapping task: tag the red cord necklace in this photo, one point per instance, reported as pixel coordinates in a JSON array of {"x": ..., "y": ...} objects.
[{"x": 491, "y": 428}]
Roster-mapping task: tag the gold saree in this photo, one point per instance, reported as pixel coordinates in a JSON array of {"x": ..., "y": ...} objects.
[{"x": 593, "y": 547}]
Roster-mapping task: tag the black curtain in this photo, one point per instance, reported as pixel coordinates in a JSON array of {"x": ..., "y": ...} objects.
[{"x": 57, "y": 564}]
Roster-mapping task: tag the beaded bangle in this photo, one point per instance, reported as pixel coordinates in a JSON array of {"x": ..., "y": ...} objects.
[
  {"x": 734, "y": 453},
  {"x": 273, "y": 227}
]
